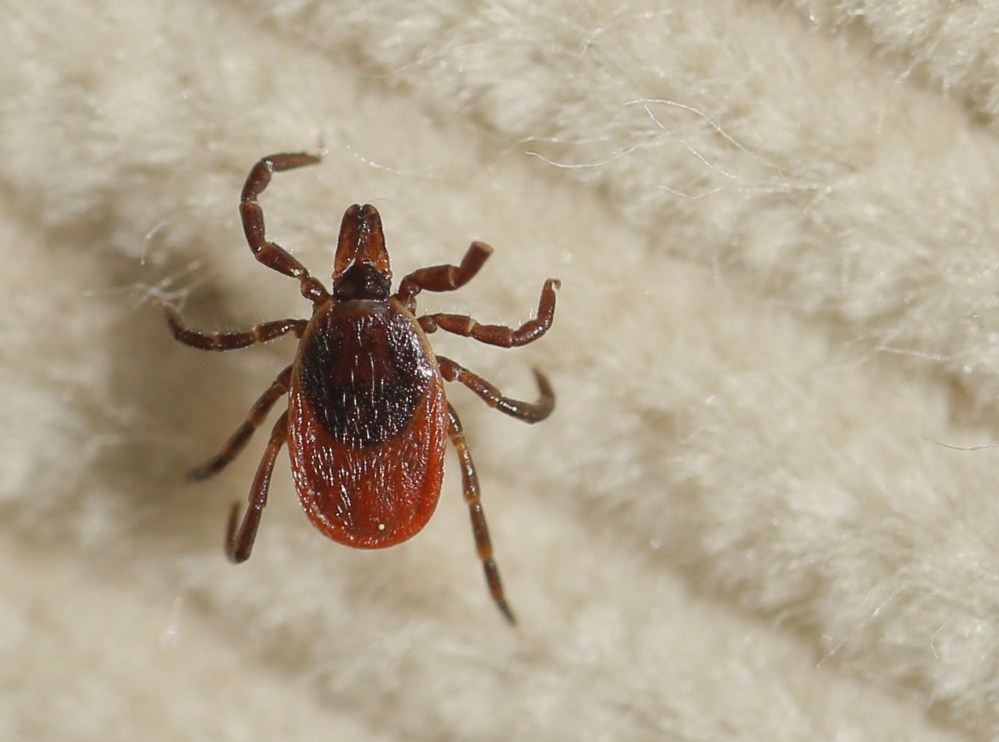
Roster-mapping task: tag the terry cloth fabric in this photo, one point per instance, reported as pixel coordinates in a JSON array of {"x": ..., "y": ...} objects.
[{"x": 765, "y": 507}]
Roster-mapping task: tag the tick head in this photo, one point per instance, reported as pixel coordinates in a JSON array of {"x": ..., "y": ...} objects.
[{"x": 361, "y": 267}]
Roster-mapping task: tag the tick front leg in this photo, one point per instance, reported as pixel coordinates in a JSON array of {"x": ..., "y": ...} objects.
[
  {"x": 270, "y": 253},
  {"x": 529, "y": 412},
  {"x": 444, "y": 277},
  {"x": 239, "y": 439},
  {"x": 239, "y": 542},
  {"x": 505, "y": 337},
  {"x": 219, "y": 341},
  {"x": 483, "y": 544}
]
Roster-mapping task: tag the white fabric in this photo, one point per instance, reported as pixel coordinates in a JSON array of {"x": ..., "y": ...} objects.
[{"x": 764, "y": 508}]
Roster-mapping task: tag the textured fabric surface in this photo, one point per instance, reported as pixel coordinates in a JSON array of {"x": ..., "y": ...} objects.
[{"x": 765, "y": 507}]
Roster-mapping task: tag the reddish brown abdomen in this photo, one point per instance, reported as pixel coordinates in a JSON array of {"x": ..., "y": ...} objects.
[{"x": 367, "y": 424}]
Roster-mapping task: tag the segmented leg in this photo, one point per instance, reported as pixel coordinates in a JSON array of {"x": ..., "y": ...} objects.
[
  {"x": 239, "y": 542},
  {"x": 505, "y": 337},
  {"x": 444, "y": 277},
  {"x": 239, "y": 439},
  {"x": 529, "y": 412},
  {"x": 270, "y": 253},
  {"x": 470, "y": 484},
  {"x": 262, "y": 333}
]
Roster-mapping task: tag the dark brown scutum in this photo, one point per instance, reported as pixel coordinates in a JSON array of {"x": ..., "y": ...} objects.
[{"x": 364, "y": 371}]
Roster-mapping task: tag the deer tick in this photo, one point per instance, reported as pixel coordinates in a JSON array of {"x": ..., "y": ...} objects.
[{"x": 367, "y": 417}]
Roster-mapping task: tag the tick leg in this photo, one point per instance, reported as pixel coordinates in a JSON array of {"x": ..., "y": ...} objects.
[
  {"x": 444, "y": 277},
  {"x": 270, "y": 253},
  {"x": 239, "y": 542},
  {"x": 470, "y": 484},
  {"x": 529, "y": 412},
  {"x": 239, "y": 439},
  {"x": 262, "y": 333},
  {"x": 504, "y": 337}
]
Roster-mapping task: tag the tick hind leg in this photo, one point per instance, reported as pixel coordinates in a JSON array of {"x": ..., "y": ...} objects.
[
  {"x": 219, "y": 341},
  {"x": 239, "y": 439},
  {"x": 470, "y": 484},
  {"x": 270, "y": 253},
  {"x": 239, "y": 541},
  {"x": 529, "y": 412}
]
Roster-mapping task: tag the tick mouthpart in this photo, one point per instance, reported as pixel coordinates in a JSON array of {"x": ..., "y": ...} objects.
[
  {"x": 361, "y": 242},
  {"x": 361, "y": 281}
]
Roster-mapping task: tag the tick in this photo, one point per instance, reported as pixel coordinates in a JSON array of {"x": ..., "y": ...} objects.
[{"x": 367, "y": 417}]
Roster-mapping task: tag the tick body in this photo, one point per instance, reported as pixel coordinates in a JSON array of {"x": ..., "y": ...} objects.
[
  {"x": 368, "y": 424},
  {"x": 367, "y": 418}
]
